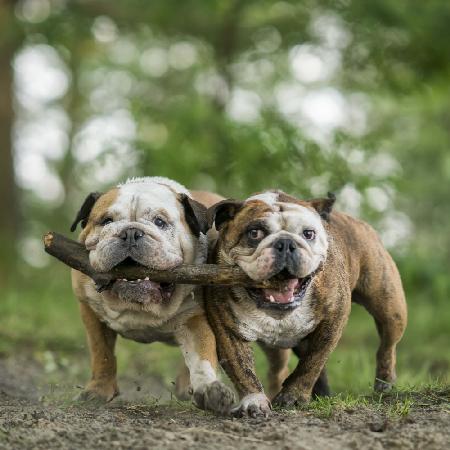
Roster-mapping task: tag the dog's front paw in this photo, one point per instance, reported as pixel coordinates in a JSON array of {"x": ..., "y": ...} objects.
[
  {"x": 215, "y": 397},
  {"x": 382, "y": 386},
  {"x": 253, "y": 405},
  {"x": 98, "y": 393},
  {"x": 287, "y": 399}
]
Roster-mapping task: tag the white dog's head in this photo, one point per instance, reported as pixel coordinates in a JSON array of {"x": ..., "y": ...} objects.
[
  {"x": 273, "y": 234},
  {"x": 149, "y": 221}
]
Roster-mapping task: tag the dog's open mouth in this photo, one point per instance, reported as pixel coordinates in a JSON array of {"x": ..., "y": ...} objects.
[
  {"x": 289, "y": 295},
  {"x": 143, "y": 291}
]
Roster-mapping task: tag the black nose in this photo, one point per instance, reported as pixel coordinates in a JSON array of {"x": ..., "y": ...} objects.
[
  {"x": 130, "y": 236},
  {"x": 284, "y": 245}
]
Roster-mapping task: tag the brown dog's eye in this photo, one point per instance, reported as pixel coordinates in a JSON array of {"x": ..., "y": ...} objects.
[
  {"x": 255, "y": 234},
  {"x": 309, "y": 235},
  {"x": 105, "y": 221},
  {"x": 160, "y": 223}
]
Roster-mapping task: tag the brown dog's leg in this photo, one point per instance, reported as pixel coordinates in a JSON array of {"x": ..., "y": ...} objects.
[
  {"x": 390, "y": 319},
  {"x": 198, "y": 345},
  {"x": 299, "y": 385},
  {"x": 101, "y": 341},
  {"x": 236, "y": 358},
  {"x": 278, "y": 359},
  {"x": 380, "y": 291},
  {"x": 183, "y": 383},
  {"x": 321, "y": 387}
]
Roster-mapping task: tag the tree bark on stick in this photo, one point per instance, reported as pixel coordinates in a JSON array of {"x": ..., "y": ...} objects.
[{"x": 75, "y": 255}]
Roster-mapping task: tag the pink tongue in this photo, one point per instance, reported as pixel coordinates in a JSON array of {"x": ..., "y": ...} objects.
[{"x": 285, "y": 295}]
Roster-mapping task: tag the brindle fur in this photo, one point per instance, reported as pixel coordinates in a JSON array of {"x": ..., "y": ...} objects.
[{"x": 357, "y": 268}]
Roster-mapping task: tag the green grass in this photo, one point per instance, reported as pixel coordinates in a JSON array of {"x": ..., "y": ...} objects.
[
  {"x": 40, "y": 315},
  {"x": 393, "y": 405}
]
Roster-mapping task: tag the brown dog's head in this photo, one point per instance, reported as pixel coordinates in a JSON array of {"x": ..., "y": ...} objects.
[
  {"x": 273, "y": 235},
  {"x": 148, "y": 221}
]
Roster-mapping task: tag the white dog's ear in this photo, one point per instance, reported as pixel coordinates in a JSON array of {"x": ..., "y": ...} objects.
[
  {"x": 85, "y": 210},
  {"x": 222, "y": 212},
  {"x": 324, "y": 205},
  {"x": 195, "y": 214}
]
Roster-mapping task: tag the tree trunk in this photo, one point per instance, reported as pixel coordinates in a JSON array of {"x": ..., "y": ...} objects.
[{"x": 9, "y": 210}]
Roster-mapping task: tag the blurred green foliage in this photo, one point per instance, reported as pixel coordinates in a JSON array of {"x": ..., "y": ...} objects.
[{"x": 232, "y": 96}]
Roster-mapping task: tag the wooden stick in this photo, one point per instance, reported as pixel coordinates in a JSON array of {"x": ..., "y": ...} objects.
[{"x": 75, "y": 255}]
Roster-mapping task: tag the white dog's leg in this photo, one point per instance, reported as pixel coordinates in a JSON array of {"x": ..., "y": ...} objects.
[{"x": 198, "y": 345}]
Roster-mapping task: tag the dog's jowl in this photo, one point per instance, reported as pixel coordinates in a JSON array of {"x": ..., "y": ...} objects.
[
  {"x": 323, "y": 261},
  {"x": 154, "y": 222}
]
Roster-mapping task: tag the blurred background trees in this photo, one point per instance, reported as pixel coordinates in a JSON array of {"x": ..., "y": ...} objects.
[{"x": 234, "y": 97}]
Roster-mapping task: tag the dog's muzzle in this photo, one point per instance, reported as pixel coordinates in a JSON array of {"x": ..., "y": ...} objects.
[
  {"x": 143, "y": 291},
  {"x": 287, "y": 256},
  {"x": 130, "y": 249},
  {"x": 286, "y": 266},
  {"x": 131, "y": 236}
]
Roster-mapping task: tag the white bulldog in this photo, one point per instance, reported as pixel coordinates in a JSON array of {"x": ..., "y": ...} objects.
[{"x": 154, "y": 222}]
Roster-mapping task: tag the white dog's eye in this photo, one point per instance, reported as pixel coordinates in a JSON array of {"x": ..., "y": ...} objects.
[
  {"x": 255, "y": 234},
  {"x": 309, "y": 235},
  {"x": 160, "y": 223},
  {"x": 105, "y": 221}
]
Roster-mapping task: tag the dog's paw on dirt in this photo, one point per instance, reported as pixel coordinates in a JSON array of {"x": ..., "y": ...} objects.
[
  {"x": 97, "y": 394},
  {"x": 215, "y": 397},
  {"x": 288, "y": 400},
  {"x": 253, "y": 405},
  {"x": 382, "y": 386}
]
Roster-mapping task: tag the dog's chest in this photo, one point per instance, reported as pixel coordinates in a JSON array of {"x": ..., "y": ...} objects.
[
  {"x": 285, "y": 331},
  {"x": 140, "y": 326}
]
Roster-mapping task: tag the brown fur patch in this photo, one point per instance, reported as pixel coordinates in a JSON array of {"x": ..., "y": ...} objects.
[
  {"x": 99, "y": 211},
  {"x": 233, "y": 230},
  {"x": 204, "y": 340},
  {"x": 101, "y": 341},
  {"x": 206, "y": 198}
]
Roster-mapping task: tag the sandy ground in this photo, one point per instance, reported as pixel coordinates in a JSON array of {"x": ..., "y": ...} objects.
[{"x": 33, "y": 416}]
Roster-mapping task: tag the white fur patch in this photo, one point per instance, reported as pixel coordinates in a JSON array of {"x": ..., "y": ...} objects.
[
  {"x": 267, "y": 197},
  {"x": 177, "y": 187},
  {"x": 254, "y": 399},
  {"x": 137, "y": 199},
  {"x": 285, "y": 331},
  {"x": 159, "y": 323},
  {"x": 200, "y": 370},
  {"x": 258, "y": 400}
]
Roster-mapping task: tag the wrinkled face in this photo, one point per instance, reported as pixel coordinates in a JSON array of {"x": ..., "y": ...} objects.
[
  {"x": 147, "y": 224},
  {"x": 273, "y": 235}
]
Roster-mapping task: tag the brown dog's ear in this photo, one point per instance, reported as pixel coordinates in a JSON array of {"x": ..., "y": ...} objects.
[
  {"x": 85, "y": 210},
  {"x": 222, "y": 212},
  {"x": 195, "y": 214},
  {"x": 324, "y": 205}
]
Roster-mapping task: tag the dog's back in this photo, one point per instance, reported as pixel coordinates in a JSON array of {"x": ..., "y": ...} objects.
[{"x": 372, "y": 269}]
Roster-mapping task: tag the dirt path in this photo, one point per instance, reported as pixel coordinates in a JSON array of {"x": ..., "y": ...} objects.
[{"x": 27, "y": 421}]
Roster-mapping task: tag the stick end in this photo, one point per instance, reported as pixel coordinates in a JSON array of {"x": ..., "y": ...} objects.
[{"x": 48, "y": 239}]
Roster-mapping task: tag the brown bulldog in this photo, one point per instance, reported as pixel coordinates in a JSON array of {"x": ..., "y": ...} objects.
[
  {"x": 154, "y": 222},
  {"x": 324, "y": 260}
]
